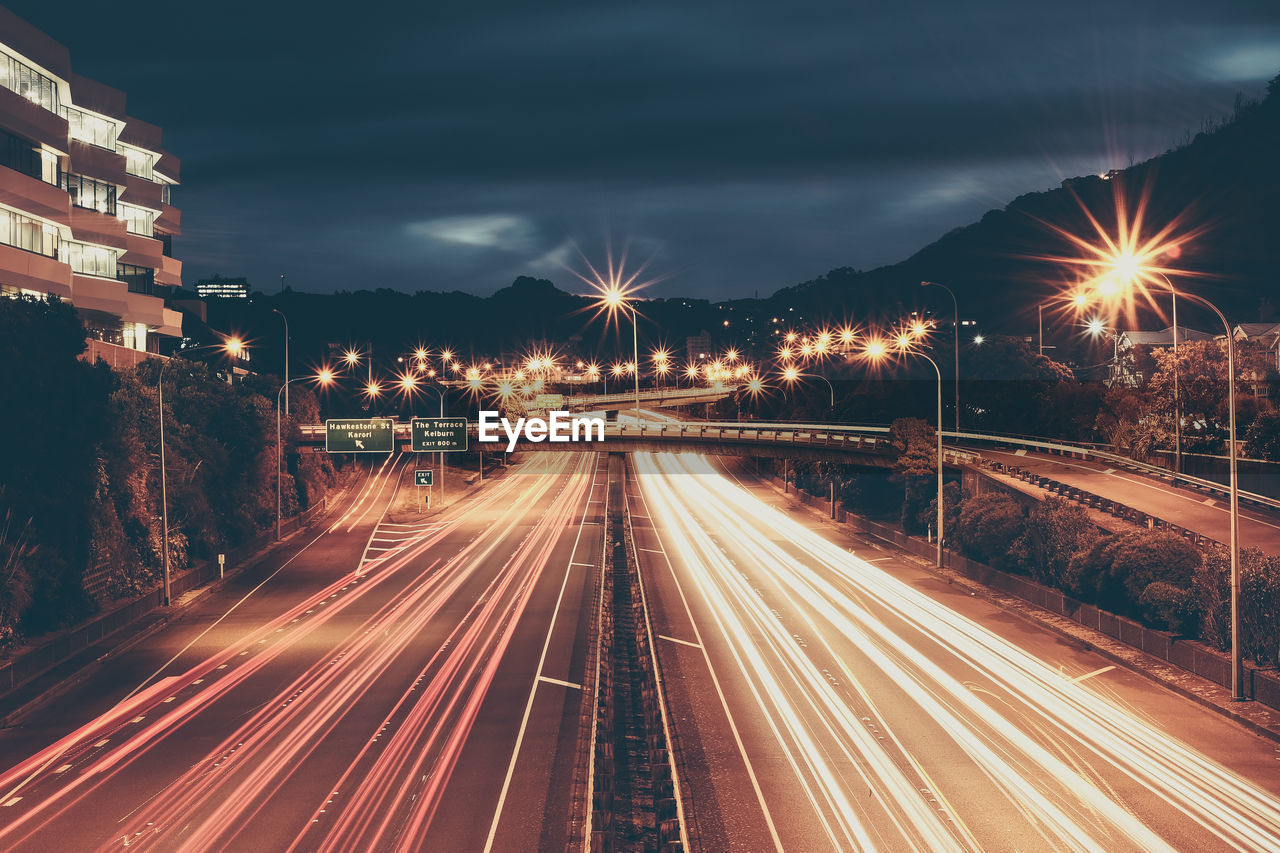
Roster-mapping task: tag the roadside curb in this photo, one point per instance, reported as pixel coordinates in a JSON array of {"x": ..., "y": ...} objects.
[
  {"x": 1131, "y": 658},
  {"x": 130, "y": 634}
]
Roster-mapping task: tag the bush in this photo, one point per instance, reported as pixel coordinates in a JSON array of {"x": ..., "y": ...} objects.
[
  {"x": 1168, "y": 607},
  {"x": 1117, "y": 570},
  {"x": 951, "y": 501},
  {"x": 1056, "y": 531},
  {"x": 988, "y": 524},
  {"x": 1259, "y": 603}
]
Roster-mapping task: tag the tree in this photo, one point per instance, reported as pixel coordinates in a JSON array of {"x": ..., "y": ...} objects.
[
  {"x": 1202, "y": 392},
  {"x": 1056, "y": 531},
  {"x": 1118, "y": 570},
  {"x": 916, "y": 467},
  {"x": 1127, "y": 422},
  {"x": 1262, "y": 440},
  {"x": 55, "y": 406},
  {"x": 1259, "y": 603},
  {"x": 1004, "y": 381},
  {"x": 989, "y": 523}
]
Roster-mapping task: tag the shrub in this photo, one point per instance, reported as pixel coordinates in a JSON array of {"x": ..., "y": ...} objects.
[
  {"x": 988, "y": 524},
  {"x": 1168, "y": 607},
  {"x": 1259, "y": 603},
  {"x": 1117, "y": 569},
  {"x": 1056, "y": 531}
]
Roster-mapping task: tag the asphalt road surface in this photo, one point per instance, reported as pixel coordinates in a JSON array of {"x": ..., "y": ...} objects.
[
  {"x": 824, "y": 698},
  {"x": 386, "y": 687}
]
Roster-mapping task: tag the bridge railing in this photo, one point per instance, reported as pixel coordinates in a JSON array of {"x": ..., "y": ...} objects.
[{"x": 864, "y": 438}]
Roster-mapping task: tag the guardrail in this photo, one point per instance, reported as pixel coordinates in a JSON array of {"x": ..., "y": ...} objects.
[{"x": 865, "y": 438}]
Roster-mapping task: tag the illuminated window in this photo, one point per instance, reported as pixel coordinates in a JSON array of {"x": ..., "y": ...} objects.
[
  {"x": 90, "y": 128},
  {"x": 23, "y": 232},
  {"x": 137, "y": 162},
  {"x": 137, "y": 220},
  {"x": 19, "y": 77},
  {"x": 89, "y": 260},
  {"x": 90, "y": 194}
]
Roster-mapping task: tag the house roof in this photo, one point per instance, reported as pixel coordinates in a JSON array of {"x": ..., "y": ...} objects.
[{"x": 1164, "y": 337}]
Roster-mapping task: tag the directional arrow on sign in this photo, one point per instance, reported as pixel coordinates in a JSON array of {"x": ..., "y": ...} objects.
[{"x": 359, "y": 444}]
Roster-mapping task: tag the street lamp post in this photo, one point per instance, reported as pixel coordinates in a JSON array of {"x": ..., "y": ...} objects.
[
  {"x": 956, "y": 304},
  {"x": 286, "y": 348},
  {"x": 232, "y": 346},
  {"x": 876, "y": 350},
  {"x": 1237, "y": 660},
  {"x": 324, "y": 378}
]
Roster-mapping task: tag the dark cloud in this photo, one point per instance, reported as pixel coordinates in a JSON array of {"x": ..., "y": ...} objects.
[{"x": 738, "y": 146}]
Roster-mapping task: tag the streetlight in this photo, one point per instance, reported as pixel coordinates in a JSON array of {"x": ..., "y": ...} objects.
[
  {"x": 286, "y": 347},
  {"x": 792, "y": 375},
  {"x": 1136, "y": 275},
  {"x": 614, "y": 298},
  {"x": 955, "y": 303},
  {"x": 875, "y": 351},
  {"x": 324, "y": 378},
  {"x": 233, "y": 346}
]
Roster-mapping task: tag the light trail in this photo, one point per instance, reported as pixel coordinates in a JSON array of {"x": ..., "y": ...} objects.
[
  {"x": 1078, "y": 771},
  {"x": 213, "y": 801}
]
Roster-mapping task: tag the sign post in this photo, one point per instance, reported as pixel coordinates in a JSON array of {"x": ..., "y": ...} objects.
[
  {"x": 423, "y": 478},
  {"x": 359, "y": 435},
  {"x": 222, "y": 565},
  {"x": 438, "y": 435}
]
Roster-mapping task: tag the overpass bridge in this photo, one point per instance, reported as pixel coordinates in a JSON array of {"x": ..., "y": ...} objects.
[
  {"x": 864, "y": 445},
  {"x": 653, "y": 397}
]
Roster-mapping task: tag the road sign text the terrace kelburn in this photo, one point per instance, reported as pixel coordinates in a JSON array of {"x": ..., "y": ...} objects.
[
  {"x": 438, "y": 435},
  {"x": 359, "y": 435}
]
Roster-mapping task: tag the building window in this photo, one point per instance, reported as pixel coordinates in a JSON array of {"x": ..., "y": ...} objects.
[
  {"x": 166, "y": 192},
  {"x": 89, "y": 260},
  {"x": 137, "y": 220},
  {"x": 139, "y": 163},
  {"x": 139, "y": 279},
  {"x": 28, "y": 158},
  {"x": 23, "y": 232},
  {"x": 166, "y": 243},
  {"x": 90, "y": 128},
  {"x": 90, "y": 194},
  {"x": 19, "y": 77}
]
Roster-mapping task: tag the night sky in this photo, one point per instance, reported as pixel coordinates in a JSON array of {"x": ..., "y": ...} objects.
[{"x": 735, "y": 147}]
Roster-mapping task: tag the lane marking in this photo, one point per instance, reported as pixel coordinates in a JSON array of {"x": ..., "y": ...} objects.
[
  {"x": 1080, "y": 678},
  {"x": 681, "y": 642},
  {"x": 551, "y": 680},
  {"x": 588, "y": 565},
  {"x": 876, "y": 560},
  {"x": 63, "y": 769},
  {"x": 542, "y": 659},
  {"x": 715, "y": 680},
  {"x": 11, "y": 801},
  {"x": 651, "y": 550}
]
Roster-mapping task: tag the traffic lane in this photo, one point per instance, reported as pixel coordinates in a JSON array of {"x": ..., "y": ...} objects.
[
  {"x": 295, "y": 570},
  {"x": 710, "y": 709},
  {"x": 795, "y": 781},
  {"x": 1206, "y": 733},
  {"x": 1194, "y": 511},
  {"x": 260, "y": 692},
  {"x": 511, "y": 789}
]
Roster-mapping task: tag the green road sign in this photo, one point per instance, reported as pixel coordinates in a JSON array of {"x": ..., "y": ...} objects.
[
  {"x": 438, "y": 435},
  {"x": 422, "y": 478},
  {"x": 361, "y": 435}
]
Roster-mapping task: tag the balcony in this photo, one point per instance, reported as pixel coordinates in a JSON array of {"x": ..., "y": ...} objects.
[
  {"x": 91, "y": 226},
  {"x": 30, "y": 271},
  {"x": 142, "y": 251},
  {"x": 169, "y": 272},
  {"x": 34, "y": 196},
  {"x": 32, "y": 121},
  {"x": 99, "y": 163},
  {"x": 117, "y": 357},
  {"x": 141, "y": 192},
  {"x": 170, "y": 219}
]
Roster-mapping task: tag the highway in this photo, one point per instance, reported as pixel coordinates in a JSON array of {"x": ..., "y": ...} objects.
[
  {"x": 827, "y": 694},
  {"x": 384, "y": 687}
]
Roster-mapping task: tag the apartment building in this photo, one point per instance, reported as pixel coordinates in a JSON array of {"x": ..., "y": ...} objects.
[{"x": 85, "y": 210}]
